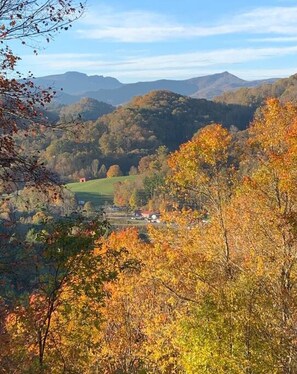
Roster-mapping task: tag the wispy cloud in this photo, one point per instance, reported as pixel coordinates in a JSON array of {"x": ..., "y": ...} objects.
[
  {"x": 132, "y": 26},
  {"x": 164, "y": 66},
  {"x": 280, "y": 39},
  {"x": 142, "y": 26}
]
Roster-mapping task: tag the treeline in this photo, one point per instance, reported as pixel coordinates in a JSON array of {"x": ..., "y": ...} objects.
[
  {"x": 210, "y": 290},
  {"x": 123, "y": 137},
  {"x": 148, "y": 188}
]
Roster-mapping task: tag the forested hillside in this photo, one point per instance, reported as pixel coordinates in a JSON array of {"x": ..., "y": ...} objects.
[
  {"x": 86, "y": 109},
  {"x": 284, "y": 89},
  {"x": 128, "y": 133}
]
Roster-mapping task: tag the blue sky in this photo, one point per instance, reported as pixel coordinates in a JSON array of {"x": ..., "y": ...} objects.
[{"x": 175, "y": 39}]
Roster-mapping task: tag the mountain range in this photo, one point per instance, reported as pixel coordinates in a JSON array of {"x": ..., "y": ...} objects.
[{"x": 72, "y": 86}]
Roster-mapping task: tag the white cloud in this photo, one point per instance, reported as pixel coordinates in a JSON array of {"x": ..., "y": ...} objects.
[
  {"x": 132, "y": 26},
  {"x": 211, "y": 58},
  {"x": 141, "y": 26},
  {"x": 280, "y": 39},
  {"x": 264, "y": 73}
]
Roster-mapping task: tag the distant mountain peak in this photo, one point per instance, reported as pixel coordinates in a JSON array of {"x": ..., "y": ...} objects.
[
  {"x": 74, "y": 73},
  {"x": 76, "y": 83},
  {"x": 255, "y": 95},
  {"x": 227, "y": 73},
  {"x": 108, "y": 89}
]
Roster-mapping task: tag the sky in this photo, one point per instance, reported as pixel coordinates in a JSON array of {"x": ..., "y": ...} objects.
[{"x": 174, "y": 39}]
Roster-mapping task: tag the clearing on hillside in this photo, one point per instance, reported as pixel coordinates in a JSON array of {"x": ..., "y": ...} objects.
[{"x": 97, "y": 191}]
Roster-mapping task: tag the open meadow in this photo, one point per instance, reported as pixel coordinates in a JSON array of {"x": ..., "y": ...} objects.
[{"x": 97, "y": 191}]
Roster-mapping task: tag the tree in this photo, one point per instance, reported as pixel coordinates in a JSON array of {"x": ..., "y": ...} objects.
[
  {"x": 204, "y": 174},
  {"x": 59, "y": 322},
  {"x": 114, "y": 171},
  {"x": 273, "y": 186},
  {"x": 102, "y": 172},
  {"x": 21, "y": 100},
  {"x": 89, "y": 208},
  {"x": 122, "y": 193},
  {"x": 21, "y": 110},
  {"x": 133, "y": 170},
  {"x": 62, "y": 254},
  {"x": 95, "y": 167},
  {"x": 136, "y": 199},
  {"x": 132, "y": 337},
  {"x": 237, "y": 270},
  {"x": 30, "y": 19}
]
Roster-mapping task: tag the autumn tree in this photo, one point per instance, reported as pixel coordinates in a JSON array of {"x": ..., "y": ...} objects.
[
  {"x": 114, "y": 171},
  {"x": 147, "y": 187},
  {"x": 136, "y": 332},
  {"x": 244, "y": 254},
  {"x": 27, "y": 23},
  {"x": 273, "y": 186},
  {"x": 21, "y": 100},
  {"x": 63, "y": 263},
  {"x": 102, "y": 172},
  {"x": 95, "y": 167},
  {"x": 122, "y": 193},
  {"x": 203, "y": 174},
  {"x": 133, "y": 170}
]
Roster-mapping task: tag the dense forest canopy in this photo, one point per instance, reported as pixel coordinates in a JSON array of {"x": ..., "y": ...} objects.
[{"x": 128, "y": 133}]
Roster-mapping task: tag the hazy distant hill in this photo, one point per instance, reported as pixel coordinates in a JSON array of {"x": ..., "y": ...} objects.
[
  {"x": 213, "y": 85},
  {"x": 77, "y": 85},
  {"x": 284, "y": 89},
  {"x": 86, "y": 109},
  {"x": 74, "y": 83}
]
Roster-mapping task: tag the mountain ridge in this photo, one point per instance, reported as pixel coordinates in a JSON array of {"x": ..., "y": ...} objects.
[
  {"x": 76, "y": 85},
  {"x": 285, "y": 89}
]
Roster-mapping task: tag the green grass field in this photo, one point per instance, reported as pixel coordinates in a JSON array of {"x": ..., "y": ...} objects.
[{"x": 98, "y": 191}]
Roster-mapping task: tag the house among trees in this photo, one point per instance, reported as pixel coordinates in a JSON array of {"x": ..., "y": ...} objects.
[
  {"x": 151, "y": 216},
  {"x": 82, "y": 180}
]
